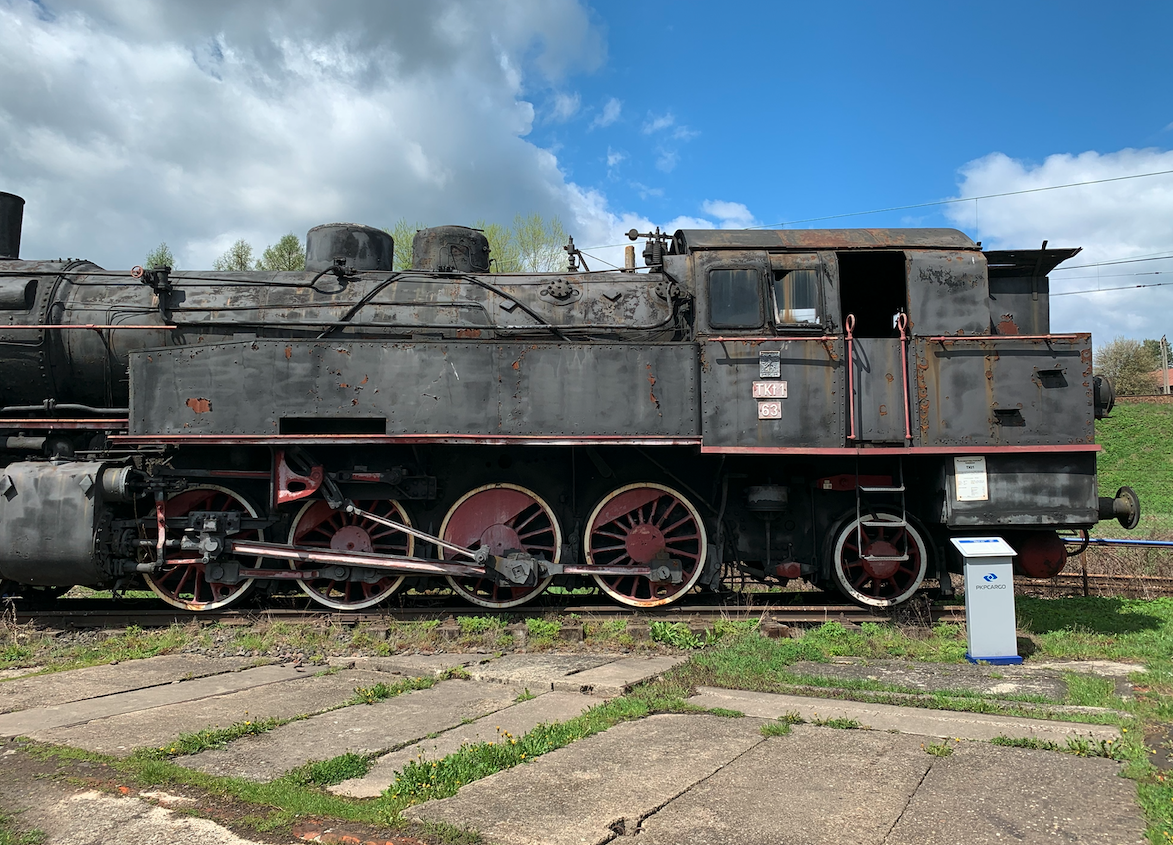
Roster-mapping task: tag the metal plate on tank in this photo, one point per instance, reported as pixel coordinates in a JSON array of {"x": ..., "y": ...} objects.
[{"x": 406, "y": 388}]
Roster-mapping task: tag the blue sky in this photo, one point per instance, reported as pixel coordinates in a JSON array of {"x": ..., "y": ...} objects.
[
  {"x": 805, "y": 110},
  {"x": 129, "y": 122}
]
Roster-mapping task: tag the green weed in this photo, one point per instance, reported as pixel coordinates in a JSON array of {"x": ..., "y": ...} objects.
[
  {"x": 1079, "y": 746},
  {"x": 676, "y": 635},
  {"x": 938, "y": 749},
  {"x": 330, "y": 772},
  {"x": 382, "y": 691},
  {"x": 775, "y": 729},
  {"x": 543, "y": 631},
  {"x": 841, "y": 724},
  {"x": 11, "y": 835},
  {"x": 479, "y": 624}
]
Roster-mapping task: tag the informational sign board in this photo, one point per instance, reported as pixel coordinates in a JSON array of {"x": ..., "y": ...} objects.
[{"x": 990, "y": 622}]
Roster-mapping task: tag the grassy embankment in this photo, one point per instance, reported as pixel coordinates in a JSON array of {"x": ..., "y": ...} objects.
[{"x": 1138, "y": 452}]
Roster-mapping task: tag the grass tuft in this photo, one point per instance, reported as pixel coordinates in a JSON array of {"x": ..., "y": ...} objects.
[{"x": 938, "y": 749}]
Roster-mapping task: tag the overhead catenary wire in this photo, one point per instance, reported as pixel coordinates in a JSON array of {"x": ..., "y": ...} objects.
[{"x": 951, "y": 201}]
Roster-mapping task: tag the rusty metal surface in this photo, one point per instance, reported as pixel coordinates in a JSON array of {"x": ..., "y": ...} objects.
[
  {"x": 947, "y": 293},
  {"x": 1028, "y": 489},
  {"x": 208, "y": 308},
  {"x": 342, "y": 387},
  {"x": 1004, "y": 391},
  {"x": 812, "y": 413},
  {"x": 687, "y": 240},
  {"x": 48, "y": 516},
  {"x": 879, "y": 400}
]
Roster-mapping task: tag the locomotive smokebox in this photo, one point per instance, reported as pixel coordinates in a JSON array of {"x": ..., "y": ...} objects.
[
  {"x": 358, "y": 247},
  {"x": 450, "y": 249},
  {"x": 11, "y": 217}
]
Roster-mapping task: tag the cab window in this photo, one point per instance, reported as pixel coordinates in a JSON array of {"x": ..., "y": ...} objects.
[
  {"x": 735, "y": 299},
  {"x": 796, "y": 297}
]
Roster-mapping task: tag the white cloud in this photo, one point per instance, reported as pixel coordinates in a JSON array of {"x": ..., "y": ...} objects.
[
  {"x": 656, "y": 123},
  {"x": 1113, "y": 220},
  {"x": 614, "y": 157},
  {"x": 644, "y": 191},
  {"x": 666, "y": 160},
  {"x": 733, "y": 215},
  {"x": 126, "y": 124},
  {"x": 609, "y": 115},
  {"x": 566, "y": 106}
]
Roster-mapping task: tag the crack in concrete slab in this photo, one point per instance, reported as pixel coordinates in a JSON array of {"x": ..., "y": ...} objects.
[
  {"x": 619, "y": 826},
  {"x": 907, "y": 803}
]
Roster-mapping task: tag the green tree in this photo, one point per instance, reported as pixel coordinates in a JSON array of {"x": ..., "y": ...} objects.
[
  {"x": 539, "y": 243},
  {"x": 160, "y": 256},
  {"x": 286, "y": 254},
  {"x": 1129, "y": 366},
  {"x": 239, "y": 257},
  {"x": 1153, "y": 349},
  {"x": 403, "y": 233},
  {"x": 502, "y": 248}
]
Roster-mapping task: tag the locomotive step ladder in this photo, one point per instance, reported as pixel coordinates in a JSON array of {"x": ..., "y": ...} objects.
[{"x": 862, "y": 508}]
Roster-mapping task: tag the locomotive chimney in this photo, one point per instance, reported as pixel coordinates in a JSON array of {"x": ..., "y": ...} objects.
[{"x": 11, "y": 216}]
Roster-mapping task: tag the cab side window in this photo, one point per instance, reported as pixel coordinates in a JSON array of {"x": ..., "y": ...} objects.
[
  {"x": 735, "y": 299},
  {"x": 796, "y": 297}
]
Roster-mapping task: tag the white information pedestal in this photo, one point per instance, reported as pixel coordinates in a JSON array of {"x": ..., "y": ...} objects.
[{"x": 989, "y": 599}]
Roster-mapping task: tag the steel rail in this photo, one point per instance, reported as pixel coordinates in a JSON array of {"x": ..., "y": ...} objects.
[{"x": 108, "y": 615}]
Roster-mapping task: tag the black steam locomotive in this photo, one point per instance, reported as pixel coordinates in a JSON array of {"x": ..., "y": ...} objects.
[{"x": 828, "y": 405}]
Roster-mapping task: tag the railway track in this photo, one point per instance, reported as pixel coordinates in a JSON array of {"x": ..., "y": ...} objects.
[
  {"x": 103, "y": 613},
  {"x": 97, "y": 613}
]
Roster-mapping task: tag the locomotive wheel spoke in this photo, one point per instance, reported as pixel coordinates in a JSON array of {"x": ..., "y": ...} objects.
[
  {"x": 319, "y": 526},
  {"x": 185, "y": 585},
  {"x": 494, "y": 516},
  {"x": 878, "y": 583},
  {"x": 647, "y": 520}
]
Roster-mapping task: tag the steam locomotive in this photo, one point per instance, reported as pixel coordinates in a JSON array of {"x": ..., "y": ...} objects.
[{"x": 827, "y": 405}]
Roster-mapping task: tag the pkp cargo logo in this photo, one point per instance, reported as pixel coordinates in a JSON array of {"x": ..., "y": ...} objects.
[{"x": 990, "y": 577}]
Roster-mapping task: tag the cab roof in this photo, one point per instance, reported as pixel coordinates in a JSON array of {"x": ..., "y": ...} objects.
[{"x": 688, "y": 240}]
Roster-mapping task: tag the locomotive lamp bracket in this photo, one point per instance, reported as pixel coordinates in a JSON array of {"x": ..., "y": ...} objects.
[
  {"x": 655, "y": 248},
  {"x": 157, "y": 278}
]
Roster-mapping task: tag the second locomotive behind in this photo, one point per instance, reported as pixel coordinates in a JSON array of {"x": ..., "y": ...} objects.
[{"x": 827, "y": 405}]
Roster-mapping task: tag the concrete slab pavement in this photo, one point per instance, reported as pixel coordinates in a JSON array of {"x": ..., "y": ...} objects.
[
  {"x": 818, "y": 786},
  {"x": 537, "y": 671},
  {"x": 516, "y": 720},
  {"x": 617, "y": 677},
  {"x": 411, "y": 665},
  {"x": 361, "y": 729},
  {"x": 910, "y": 720},
  {"x": 941, "y": 677},
  {"x": 112, "y": 678},
  {"x": 986, "y": 795},
  {"x": 40, "y": 719},
  {"x": 121, "y": 734},
  {"x": 91, "y": 817},
  {"x": 598, "y": 787}
]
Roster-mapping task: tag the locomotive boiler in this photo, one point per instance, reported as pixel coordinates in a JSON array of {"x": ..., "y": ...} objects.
[{"x": 827, "y": 405}]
